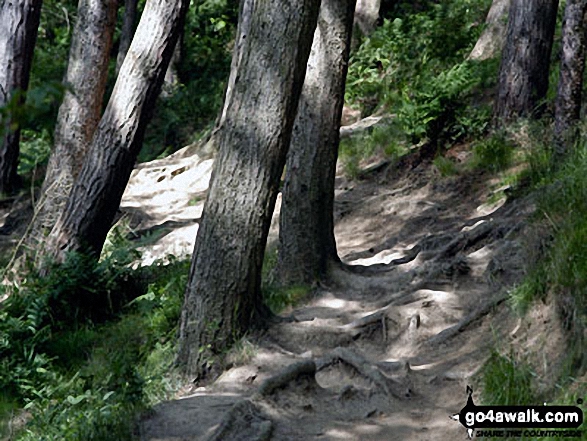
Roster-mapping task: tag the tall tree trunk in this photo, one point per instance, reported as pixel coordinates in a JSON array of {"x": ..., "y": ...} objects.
[
  {"x": 97, "y": 192},
  {"x": 570, "y": 85},
  {"x": 79, "y": 114},
  {"x": 223, "y": 294},
  {"x": 128, "y": 29},
  {"x": 491, "y": 40},
  {"x": 523, "y": 76},
  {"x": 19, "y": 24},
  {"x": 306, "y": 233},
  {"x": 366, "y": 15}
]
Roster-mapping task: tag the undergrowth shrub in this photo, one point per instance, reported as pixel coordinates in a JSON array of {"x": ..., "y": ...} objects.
[
  {"x": 415, "y": 65},
  {"x": 84, "y": 374}
]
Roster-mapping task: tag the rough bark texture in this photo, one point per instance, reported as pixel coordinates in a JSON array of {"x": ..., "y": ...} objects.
[
  {"x": 223, "y": 293},
  {"x": 79, "y": 114},
  {"x": 96, "y": 194},
  {"x": 492, "y": 39},
  {"x": 523, "y": 76},
  {"x": 366, "y": 15},
  {"x": 19, "y": 23},
  {"x": 568, "y": 100},
  {"x": 128, "y": 29},
  {"x": 306, "y": 233}
]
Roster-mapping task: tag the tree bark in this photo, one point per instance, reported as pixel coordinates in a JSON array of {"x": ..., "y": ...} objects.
[
  {"x": 491, "y": 40},
  {"x": 366, "y": 15},
  {"x": 19, "y": 24},
  {"x": 223, "y": 297},
  {"x": 79, "y": 114},
  {"x": 306, "y": 233},
  {"x": 126, "y": 33},
  {"x": 96, "y": 195},
  {"x": 523, "y": 76},
  {"x": 570, "y": 85}
]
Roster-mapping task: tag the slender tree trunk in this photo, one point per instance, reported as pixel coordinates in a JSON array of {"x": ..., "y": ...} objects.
[
  {"x": 223, "y": 295},
  {"x": 491, "y": 40},
  {"x": 306, "y": 233},
  {"x": 79, "y": 114},
  {"x": 97, "y": 192},
  {"x": 523, "y": 76},
  {"x": 19, "y": 24},
  {"x": 570, "y": 85},
  {"x": 366, "y": 15},
  {"x": 128, "y": 29}
]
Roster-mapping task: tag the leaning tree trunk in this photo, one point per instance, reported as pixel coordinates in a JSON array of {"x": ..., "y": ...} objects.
[
  {"x": 126, "y": 33},
  {"x": 491, "y": 40},
  {"x": 570, "y": 85},
  {"x": 97, "y": 192},
  {"x": 19, "y": 24},
  {"x": 79, "y": 114},
  {"x": 525, "y": 62},
  {"x": 306, "y": 231},
  {"x": 223, "y": 294}
]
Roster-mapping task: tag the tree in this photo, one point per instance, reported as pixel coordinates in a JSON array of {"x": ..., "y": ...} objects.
[
  {"x": 19, "y": 24},
  {"x": 126, "y": 33},
  {"x": 96, "y": 194},
  {"x": 223, "y": 297},
  {"x": 306, "y": 233},
  {"x": 523, "y": 75},
  {"x": 570, "y": 85},
  {"x": 366, "y": 15},
  {"x": 79, "y": 113},
  {"x": 491, "y": 40}
]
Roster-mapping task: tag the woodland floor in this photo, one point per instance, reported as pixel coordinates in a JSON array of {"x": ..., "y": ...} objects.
[{"x": 386, "y": 350}]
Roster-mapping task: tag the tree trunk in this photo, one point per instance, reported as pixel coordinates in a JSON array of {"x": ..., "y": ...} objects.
[
  {"x": 306, "y": 232},
  {"x": 128, "y": 29},
  {"x": 79, "y": 114},
  {"x": 492, "y": 39},
  {"x": 523, "y": 76},
  {"x": 366, "y": 15},
  {"x": 223, "y": 295},
  {"x": 570, "y": 85},
  {"x": 96, "y": 195},
  {"x": 19, "y": 24}
]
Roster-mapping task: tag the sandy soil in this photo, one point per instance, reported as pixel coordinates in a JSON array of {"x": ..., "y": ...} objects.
[{"x": 385, "y": 350}]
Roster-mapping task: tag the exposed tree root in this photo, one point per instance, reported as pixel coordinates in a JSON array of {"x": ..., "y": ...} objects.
[
  {"x": 364, "y": 368},
  {"x": 243, "y": 422},
  {"x": 481, "y": 311},
  {"x": 282, "y": 378}
]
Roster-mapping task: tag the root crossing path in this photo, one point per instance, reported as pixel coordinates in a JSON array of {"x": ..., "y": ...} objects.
[{"x": 386, "y": 349}]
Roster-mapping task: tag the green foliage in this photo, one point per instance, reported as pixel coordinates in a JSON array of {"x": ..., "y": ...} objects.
[
  {"x": 507, "y": 381},
  {"x": 192, "y": 106},
  {"x": 494, "y": 153},
  {"x": 445, "y": 166},
  {"x": 415, "y": 66},
  {"x": 381, "y": 139},
  {"x": 86, "y": 374},
  {"x": 279, "y": 298}
]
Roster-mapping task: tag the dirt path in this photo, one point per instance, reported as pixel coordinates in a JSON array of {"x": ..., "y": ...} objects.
[{"x": 386, "y": 351}]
